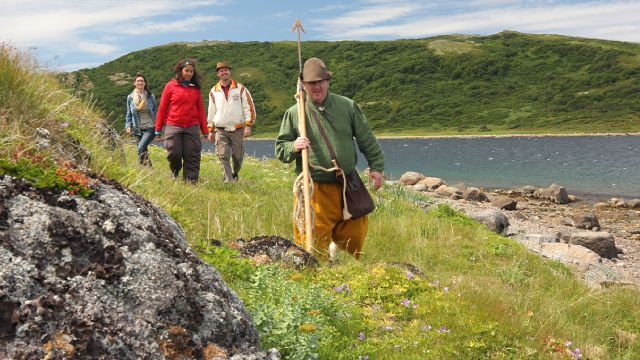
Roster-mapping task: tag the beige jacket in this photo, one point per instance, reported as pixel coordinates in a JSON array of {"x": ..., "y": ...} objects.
[{"x": 233, "y": 111}]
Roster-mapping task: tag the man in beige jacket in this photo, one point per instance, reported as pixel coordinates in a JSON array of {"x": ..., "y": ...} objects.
[{"x": 231, "y": 115}]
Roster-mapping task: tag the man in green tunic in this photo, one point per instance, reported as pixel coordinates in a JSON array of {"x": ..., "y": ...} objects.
[{"x": 343, "y": 121}]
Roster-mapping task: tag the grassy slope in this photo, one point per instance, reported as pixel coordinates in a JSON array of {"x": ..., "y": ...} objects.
[
  {"x": 481, "y": 296},
  {"x": 504, "y": 83}
]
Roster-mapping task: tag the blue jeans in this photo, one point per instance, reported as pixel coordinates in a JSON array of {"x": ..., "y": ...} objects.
[{"x": 143, "y": 141}]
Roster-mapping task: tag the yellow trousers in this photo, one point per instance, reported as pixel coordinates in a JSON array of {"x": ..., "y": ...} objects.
[{"x": 329, "y": 226}]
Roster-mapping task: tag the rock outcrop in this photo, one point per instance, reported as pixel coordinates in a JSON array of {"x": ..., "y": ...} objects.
[{"x": 110, "y": 277}]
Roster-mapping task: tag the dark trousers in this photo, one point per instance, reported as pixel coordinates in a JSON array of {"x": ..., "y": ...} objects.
[{"x": 184, "y": 147}]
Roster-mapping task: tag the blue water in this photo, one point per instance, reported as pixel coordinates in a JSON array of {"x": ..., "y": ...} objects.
[{"x": 584, "y": 165}]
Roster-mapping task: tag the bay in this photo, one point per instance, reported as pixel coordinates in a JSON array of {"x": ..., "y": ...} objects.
[{"x": 596, "y": 166}]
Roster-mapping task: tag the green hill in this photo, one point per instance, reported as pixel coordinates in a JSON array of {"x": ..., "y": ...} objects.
[{"x": 508, "y": 82}]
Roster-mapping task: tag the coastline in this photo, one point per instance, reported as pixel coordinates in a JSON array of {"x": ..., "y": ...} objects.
[{"x": 387, "y": 137}]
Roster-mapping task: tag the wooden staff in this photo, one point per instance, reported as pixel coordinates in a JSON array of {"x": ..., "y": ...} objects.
[{"x": 302, "y": 126}]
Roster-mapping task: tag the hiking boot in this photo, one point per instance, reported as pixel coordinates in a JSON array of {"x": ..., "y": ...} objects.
[
  {"x": 234, "y": 176},
  {"x": 144, "y": 159}
]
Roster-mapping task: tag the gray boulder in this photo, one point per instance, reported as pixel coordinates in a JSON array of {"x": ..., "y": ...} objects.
[
  {"x": 109, "y": 277},
  {"x": 588, "y": 265},
  {"x": 577, "y": 256},
  {"x": 556, "y": 193},
  {"x": 585, "y": 220},
  {"x": 493, "y": 219},
  {"x": 601, "y": 243}
]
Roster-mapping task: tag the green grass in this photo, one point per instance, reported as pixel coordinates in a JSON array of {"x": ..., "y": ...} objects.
[{"x": 481, "y": 296}]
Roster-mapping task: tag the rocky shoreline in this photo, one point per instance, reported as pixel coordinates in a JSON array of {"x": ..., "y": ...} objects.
[
  {"x": 457, "y": 136},
  {"x": 599, "y": 240}
]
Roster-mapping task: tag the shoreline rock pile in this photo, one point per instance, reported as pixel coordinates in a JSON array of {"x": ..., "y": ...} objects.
[{"x": 601, "y": 241}]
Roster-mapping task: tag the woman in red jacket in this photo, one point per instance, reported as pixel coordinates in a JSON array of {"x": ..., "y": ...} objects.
[{"x": 181, "y": 113}]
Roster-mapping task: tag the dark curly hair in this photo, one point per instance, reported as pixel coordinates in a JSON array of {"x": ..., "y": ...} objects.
[{"x": 195, "y": 80}]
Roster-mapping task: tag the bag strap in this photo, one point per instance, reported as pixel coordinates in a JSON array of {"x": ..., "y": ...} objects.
[{"x": 325, "y": 137}]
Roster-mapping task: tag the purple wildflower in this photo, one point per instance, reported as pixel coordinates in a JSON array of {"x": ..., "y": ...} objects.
[
  {"x": 568, "y": 343},
  {"x": 577, "y": 354},
  {"x": 415, "y": 306},
  {"x": 64, "y": 125},
  {"x": 388, "y": 327},
  {"x": 446, "y": 290},
  {"x": 410, "y": 275},
  {"x": 405, "y": 302},
  {"x": 361, "y": 336},
  {"x": 443, "y": 329},
  {"x": 344, "y": 287}
]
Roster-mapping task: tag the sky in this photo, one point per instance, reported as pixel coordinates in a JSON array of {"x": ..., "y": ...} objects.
[{"x": 66, "y": 35}]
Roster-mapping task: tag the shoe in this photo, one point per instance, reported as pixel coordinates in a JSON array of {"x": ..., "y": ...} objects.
[
  {"x": 235, "y": 176},
  {"x": 144, "y": 160}
]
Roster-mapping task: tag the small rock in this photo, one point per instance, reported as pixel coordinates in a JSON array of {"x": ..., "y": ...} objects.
[
  {"x": 534, "y": 242},
  {"x": 474, "y": 194},
  {"x": 493, "y": 219},
  {"x": 505, "y": 203},
  {"x": 411, "y": 178},
  {"x": 447, "y": 191},
  {"x": 527, "y": 190},
  {"x": 617, "y": 202},
  {"x": 420, "y": 187},
  {"x": 585, "y": 220},
  {"x": 633, "y": 204},
  {"x": 431, "y": 183},
  {"x": 519, "y": 216},
  {"x": 556, "y": 193}
]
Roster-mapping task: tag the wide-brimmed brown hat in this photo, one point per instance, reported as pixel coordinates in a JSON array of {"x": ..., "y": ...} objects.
[
  {"x": 315, "y": 70},
  {"x": 222, "y": 64}
]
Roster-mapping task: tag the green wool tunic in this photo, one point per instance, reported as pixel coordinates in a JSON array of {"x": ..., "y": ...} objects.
[{"x": 343, "y": 121}]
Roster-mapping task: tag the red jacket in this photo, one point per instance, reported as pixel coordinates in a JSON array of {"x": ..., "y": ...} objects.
[{"x": 181, "y": 106}]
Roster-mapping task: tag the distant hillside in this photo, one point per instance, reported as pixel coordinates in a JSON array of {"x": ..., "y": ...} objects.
[{"x": 508, "y": 82}]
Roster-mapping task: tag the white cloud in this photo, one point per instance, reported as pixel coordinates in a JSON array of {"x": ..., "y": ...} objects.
[
  {"x": 96, "y": 48},
  {"x": 30, "y": 23},
  {"x": 77, "y": 66},
  {"x": 185, "y": 25},
  {"x": 611, "y": 20},
  {"x": 369, "y": 16}
]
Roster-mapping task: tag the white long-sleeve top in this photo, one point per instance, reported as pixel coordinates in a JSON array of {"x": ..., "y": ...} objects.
[{"x": 233, "y": 111}]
